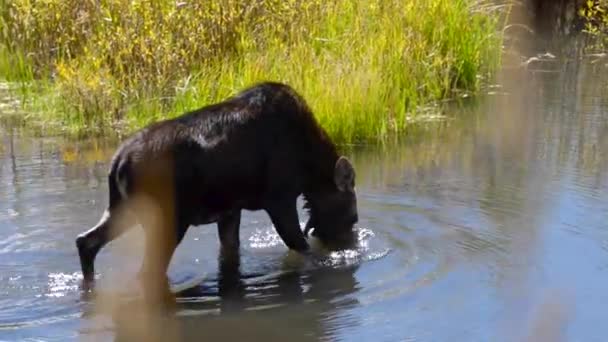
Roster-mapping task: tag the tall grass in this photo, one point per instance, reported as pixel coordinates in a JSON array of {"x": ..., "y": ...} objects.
[
  {"x": 365, "y": 67},
  {"x": 594, "y": 14}
]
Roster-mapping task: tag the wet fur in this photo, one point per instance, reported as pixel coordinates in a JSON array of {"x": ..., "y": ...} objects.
[{"x": 258, "y": 150}]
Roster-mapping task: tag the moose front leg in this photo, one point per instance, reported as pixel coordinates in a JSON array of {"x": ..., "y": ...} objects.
[{"x": 284, "y": 217}]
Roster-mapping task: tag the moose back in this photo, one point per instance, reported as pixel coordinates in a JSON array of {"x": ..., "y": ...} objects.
[{"x": 258, "y": 150}]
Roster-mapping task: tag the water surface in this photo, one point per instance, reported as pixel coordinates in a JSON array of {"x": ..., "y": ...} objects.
[{"x": 489, "y": 226}]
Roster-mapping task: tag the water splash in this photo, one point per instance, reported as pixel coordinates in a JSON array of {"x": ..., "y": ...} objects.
[
  {"x": 361, "y": 252},
  {"x": 264, "y": 238},
  {"x": 61, "y": 284}
]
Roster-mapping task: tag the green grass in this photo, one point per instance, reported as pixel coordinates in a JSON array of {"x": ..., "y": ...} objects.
[
  {"x": 365, "y": 67},
  {"x": 594, "y": 14}
]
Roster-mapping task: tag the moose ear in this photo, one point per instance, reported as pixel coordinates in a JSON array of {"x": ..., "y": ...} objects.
[{"x": 344, "y": 175}]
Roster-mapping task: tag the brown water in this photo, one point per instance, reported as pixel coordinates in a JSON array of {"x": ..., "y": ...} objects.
[{"x": 490, "y": 226}]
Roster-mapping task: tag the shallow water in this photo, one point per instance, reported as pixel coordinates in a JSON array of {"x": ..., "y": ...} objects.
[{"x": 489, "y": 226}]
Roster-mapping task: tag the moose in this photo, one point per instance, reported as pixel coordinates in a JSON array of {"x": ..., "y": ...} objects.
[{"x": 260, "y": 149}]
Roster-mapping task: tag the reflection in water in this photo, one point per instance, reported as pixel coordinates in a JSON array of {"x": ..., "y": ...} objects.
[
  {"x": 302, "y": 302},
  {"x": 495, "y": 220},
  {"x": 296, "y": 304}
]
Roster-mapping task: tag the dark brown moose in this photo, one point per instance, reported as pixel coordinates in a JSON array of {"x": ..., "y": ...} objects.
[{"x": 258, "y": 150}]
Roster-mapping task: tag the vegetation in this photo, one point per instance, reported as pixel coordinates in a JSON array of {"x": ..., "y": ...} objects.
[
  {"x": 595, "y": 17},
  {"x": 365, "y": 67}
]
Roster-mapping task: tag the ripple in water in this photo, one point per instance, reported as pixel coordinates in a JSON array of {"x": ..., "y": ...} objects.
[
  {"x": 268, "y": 238},
  {"x": 55, "y": 304},
  {"x": 265, "y": 260},
  {"x": 264, "y": 238},
  {"x": 60, "y": 284},
  {"x": 361, "y": 252}
]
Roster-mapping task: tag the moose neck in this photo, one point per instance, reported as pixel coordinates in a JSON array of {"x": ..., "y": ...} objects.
[{"x": 321, "y": 160}]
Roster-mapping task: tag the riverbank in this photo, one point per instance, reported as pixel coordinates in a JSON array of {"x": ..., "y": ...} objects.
[{"x": 367, "y": 69}]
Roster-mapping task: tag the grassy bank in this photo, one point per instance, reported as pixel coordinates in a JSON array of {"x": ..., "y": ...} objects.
[
  {"x": 365, "y": 67},
  {"x": 595, "y": 19}
]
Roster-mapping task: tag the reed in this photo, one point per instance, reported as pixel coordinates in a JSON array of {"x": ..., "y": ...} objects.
[
  {"x": 594, "y": 14},
  {"x": 365, "y": 67}
]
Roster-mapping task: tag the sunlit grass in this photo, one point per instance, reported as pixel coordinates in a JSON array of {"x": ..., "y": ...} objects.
[
  {"x": 365, "y": 68},
  {"x": 594, "y": 14}
]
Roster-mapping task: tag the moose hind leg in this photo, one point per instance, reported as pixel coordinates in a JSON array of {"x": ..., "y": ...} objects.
[
  {"x": 228, "y": 230},
  {"x": 171, "y": 243},
  {"x": 164, "y": 226},
  {"x": 90, "y": 242}
]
